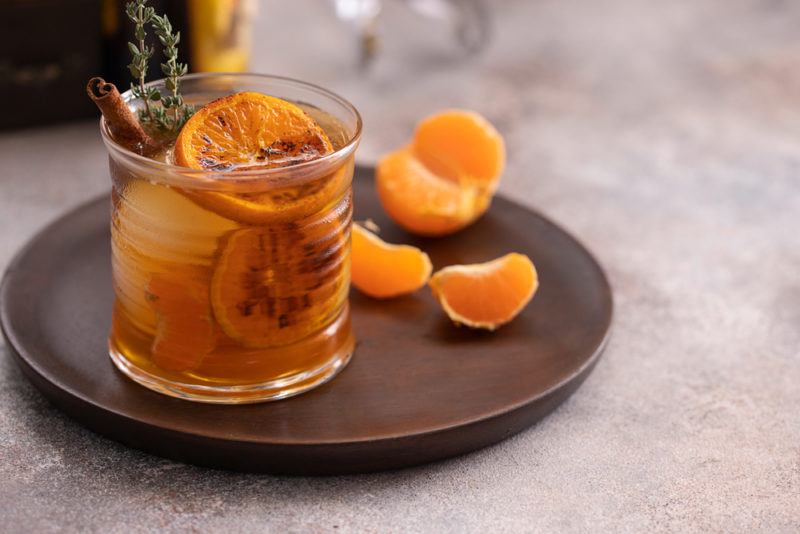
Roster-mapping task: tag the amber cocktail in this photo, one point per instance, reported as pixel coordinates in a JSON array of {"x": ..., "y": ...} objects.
[{"x": 231, "y": 285}]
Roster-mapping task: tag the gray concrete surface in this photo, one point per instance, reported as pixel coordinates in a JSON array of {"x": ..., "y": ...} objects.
[{"x": 666, "y": 135}]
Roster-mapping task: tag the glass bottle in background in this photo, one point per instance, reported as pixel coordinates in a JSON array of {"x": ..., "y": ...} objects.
[
  {"x": 217, "y": 32},
  {"x": 467, "y": 20},
  {"x": 220, "y": 34}
]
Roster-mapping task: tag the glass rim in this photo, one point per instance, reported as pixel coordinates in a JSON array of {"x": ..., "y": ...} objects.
[{"x": 245, "y": 175}]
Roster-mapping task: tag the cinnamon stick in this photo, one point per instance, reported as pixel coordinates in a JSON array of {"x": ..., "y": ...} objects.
[{"x": 122, "y": 123}]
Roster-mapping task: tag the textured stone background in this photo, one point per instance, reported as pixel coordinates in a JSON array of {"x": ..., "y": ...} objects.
[{"x": 666, "y": 135}]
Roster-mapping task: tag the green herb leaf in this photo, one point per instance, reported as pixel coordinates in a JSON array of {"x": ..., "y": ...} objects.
[{"x": 155, "y": 113}]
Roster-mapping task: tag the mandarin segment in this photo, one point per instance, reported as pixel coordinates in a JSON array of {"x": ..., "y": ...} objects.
[
  {"x": 422, "y": 202},
  {"x": 486, "y": 295},
  {"x": 383, "y": 270},
  {"x": 461, "y": 146},
  {"x": 185, "y": 331},
  {"x": 445, "y": 179}
]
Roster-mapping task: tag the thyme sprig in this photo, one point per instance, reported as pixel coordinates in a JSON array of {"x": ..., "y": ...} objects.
[
  {"x": 141, "y": 15},
  {"x": 173, "y": 105},
  {"x": 166, "y": 113}
]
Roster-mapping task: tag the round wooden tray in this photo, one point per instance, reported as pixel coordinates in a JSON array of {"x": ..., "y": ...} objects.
[{"x": 418, "y": 388}]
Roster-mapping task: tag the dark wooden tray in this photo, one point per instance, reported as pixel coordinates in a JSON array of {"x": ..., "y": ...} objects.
[{"x": 418, "y": 388}]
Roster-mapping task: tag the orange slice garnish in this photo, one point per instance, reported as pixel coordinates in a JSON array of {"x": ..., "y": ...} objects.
[
  {"x": 446, "y": 177},
  {"x": 383, "y": 270},
  {"x": 251, "y": 131},
  {"x": 486, "y": 295}
]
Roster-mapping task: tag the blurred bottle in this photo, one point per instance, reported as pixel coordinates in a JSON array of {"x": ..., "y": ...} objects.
[
  {"x": 215, "y": 36},
  {"x": 48, "y": 50},
  {"x": 467, "y": 20},
  {"x": 220, "y": 34}
]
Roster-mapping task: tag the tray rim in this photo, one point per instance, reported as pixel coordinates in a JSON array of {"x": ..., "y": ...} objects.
[{"x": 29, "y": 365}]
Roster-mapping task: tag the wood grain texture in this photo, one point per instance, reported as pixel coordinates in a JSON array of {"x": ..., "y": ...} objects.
[{"x": 418, "y": 389}]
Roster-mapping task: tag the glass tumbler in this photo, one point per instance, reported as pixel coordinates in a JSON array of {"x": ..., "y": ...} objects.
[{"x": 232, "y": 287}]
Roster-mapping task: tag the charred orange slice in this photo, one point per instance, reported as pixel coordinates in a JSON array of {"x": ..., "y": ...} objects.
[
  {"x": 280, "y": 204},
  {"x": 383, "y": 270},
  {"x": 274, "y": 285},
  {"x": 251, "y": 131},
  {"x": 185, "y": 332},
  {"x": 486, "y": 295},
  {"x": 446, "y": 177}
]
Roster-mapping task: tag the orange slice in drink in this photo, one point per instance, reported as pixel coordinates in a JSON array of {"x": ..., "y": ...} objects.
[
  {"x": 252, "y": 131},
  {"x": 274, "y": 285},
  {"x": 146, "y": 241},
  {"x": 383, "y": 270},
  {"x": 486, "y": 295},
  {"x": 446, "y": 177},
  {"x": 185, "y": 332}
]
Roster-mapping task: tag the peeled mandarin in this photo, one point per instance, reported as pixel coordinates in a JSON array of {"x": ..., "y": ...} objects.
[
  {"x": 422, "y": 202},
  {"x": 446, "y": 177},
  {"x": 461, "y": 146}
]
